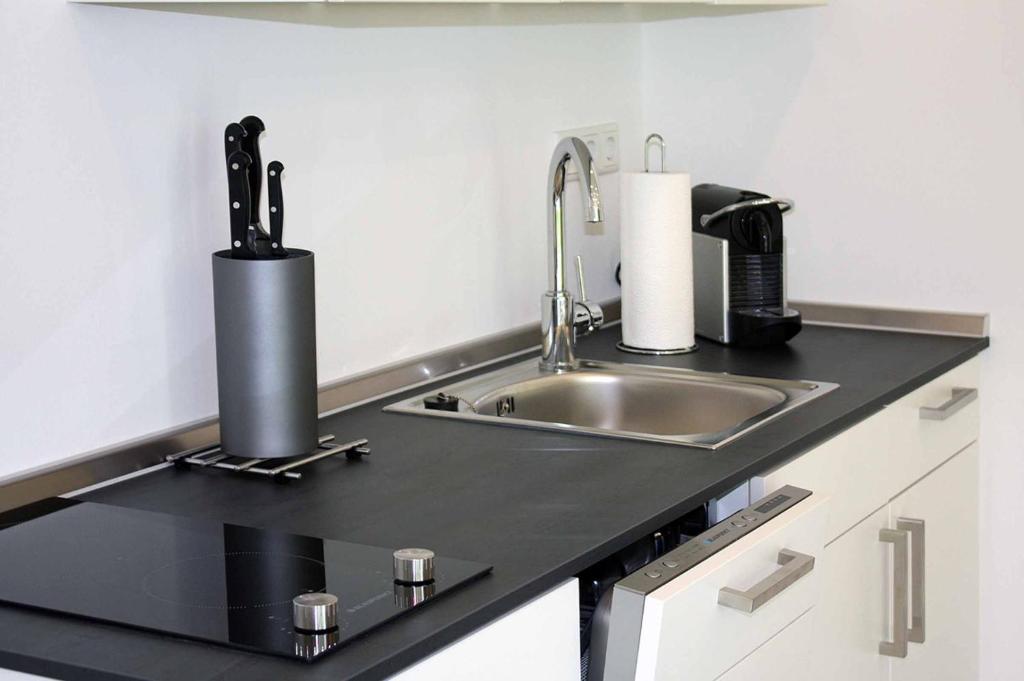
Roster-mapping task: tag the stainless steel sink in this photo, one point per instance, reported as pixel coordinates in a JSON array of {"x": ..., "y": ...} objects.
[{"x": 624, "y": 400}]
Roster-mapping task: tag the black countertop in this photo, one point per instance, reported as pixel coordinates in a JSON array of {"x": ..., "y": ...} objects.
[{"x": 536, "y": 505}]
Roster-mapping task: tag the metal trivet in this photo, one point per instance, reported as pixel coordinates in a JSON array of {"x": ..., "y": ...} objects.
[{"x": 206, "y": 457}]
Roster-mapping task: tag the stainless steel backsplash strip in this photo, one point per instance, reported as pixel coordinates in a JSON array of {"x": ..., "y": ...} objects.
[
  {"x": 103, "y": 465},
  {"x": 968, "y": 324},
  {"x": 96, "y": 467},
  {"x": 91, "y": 468}
]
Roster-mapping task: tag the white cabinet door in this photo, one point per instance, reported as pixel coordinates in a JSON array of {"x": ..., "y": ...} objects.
[
  {"x": 852, "y": 614},
  {"x": 784, "y": 657},
  {"x": 539, "y": 640},
  {"x": 943, "y": 583}
]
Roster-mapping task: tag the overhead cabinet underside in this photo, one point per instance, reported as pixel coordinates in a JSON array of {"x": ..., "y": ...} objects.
[
  {"x": 751, "y": 3},
  {"x": 385, "y": 13}
]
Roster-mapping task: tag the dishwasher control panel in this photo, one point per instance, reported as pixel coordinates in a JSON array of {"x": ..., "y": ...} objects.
[{"x": 711, "y": 541}]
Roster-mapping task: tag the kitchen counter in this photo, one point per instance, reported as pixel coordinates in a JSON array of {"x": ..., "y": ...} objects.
[{"x": 538, "y": 506}]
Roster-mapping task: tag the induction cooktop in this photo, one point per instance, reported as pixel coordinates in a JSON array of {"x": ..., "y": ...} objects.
[{"x": 207, "y": 580}]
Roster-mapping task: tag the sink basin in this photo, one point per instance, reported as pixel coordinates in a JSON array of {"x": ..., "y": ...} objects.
[{"x": 631, "y": 401}]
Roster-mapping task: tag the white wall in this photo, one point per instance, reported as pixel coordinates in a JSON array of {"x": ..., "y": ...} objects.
[
  {"x": 416, "y": 161},
  {"x": 898, "y": 128}
]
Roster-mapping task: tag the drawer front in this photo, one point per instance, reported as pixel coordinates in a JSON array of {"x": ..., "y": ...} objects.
[
  {"x": 686, "y": 634},
  {"x": 935, "y": 422},
  {"x": 865, "y": 466}
]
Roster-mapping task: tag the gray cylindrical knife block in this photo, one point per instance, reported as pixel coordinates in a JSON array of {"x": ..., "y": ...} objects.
[{"x": 266, "y": 354}]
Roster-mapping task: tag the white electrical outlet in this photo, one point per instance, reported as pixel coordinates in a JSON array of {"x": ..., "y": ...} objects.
[{"x": 603, "y": 142}]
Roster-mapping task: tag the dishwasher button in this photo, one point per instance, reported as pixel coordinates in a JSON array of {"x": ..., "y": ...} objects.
[
  {"x": 653, "y": 574},
  {"x": 738, "y": 523},
  {"x": 751, "y": 518},
  {"x": 670, "y": 564}
]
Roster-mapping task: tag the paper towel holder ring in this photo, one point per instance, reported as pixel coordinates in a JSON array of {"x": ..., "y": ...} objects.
[
  {"x": 647, "y": 351},
  {"x": 654, "y": 138}
]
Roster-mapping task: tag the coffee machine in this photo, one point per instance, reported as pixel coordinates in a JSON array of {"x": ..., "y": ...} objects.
[{"x": 739, "y": 267}]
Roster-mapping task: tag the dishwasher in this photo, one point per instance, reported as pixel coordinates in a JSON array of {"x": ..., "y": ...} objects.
[{"x": 697, "y": 596}]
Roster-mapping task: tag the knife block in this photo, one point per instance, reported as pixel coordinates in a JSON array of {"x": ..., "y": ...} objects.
[{"x": 266, "y": 355}]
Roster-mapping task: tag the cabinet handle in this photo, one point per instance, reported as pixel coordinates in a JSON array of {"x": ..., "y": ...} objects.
[
  {"x": 960, "y": 399},
  {"x": 916, "y": 529},
  {"x": 900, "y": 540},
  {"x": 793, "y": 566}
]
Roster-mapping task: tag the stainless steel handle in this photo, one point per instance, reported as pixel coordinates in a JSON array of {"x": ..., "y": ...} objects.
[
  {"x": 916, "y": 529},
  {"x": 793, "y": 566},
  {"x": 785, "y": 205},
  {"x": 900, "y": 540},
  {"x": 960, "y": 399}
]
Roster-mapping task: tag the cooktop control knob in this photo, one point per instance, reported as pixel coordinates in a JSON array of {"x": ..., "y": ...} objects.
[
  {"x": 414, "y": 566},
  {"x": 315, "y": 612}
]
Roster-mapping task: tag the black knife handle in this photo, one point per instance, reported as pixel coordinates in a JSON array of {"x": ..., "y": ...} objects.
[
  {"x": 276, "y": 201},
  {"x": 251, "y": 145},
  {"x": 239, "y": 163},
  {"x": 233, "y": 135}
]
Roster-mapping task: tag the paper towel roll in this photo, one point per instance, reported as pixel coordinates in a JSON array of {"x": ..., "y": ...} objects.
[{"x": 657, "y": 261}]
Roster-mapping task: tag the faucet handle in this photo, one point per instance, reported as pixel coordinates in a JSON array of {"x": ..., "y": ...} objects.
[
  {"x": 579, "y": 278},
  {"x": 587, "y": 315}
]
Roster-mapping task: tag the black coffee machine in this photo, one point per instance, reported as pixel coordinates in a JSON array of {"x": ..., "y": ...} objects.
[{"x": 739, "y": 267}]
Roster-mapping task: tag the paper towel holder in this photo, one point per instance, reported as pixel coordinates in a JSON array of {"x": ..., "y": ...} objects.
[
  {"x": 651, "y": 140},
  {"x": 654, "y": 138}
]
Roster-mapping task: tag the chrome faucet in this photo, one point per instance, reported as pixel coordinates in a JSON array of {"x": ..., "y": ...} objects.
[{"x": 561, "y": 318}]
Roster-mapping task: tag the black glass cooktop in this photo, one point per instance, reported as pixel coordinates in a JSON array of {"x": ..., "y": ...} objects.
[{"x": 205, "y": 580}]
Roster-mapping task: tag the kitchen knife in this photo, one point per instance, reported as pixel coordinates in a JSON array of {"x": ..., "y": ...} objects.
[
  {"x": 276, "y": 201},
  {"x": 254, "y": 127},
  {"x": 242, "y": 245}
]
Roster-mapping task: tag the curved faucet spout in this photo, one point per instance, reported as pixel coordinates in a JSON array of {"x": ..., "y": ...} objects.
[
  {"x": 574, "y": 149},
  {"x": 559, "y": 320}
]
